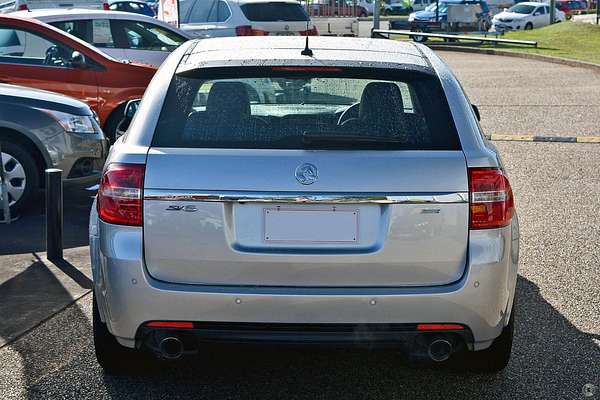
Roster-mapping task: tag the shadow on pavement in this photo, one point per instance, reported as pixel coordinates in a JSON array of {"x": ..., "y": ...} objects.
[
  {"x": 551, "y": 359},
  {"x": 27, "y": 233}
]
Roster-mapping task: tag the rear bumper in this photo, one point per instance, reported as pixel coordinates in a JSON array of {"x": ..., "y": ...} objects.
[{"x": 128, "y": 297}]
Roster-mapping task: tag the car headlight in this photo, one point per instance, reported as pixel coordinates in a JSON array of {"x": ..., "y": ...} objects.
[
  {"x": 74, "y": 123},
  {"x": 411, "y": 17}
]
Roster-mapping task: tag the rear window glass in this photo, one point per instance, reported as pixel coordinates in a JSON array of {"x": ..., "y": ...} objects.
[
  {"x": 269, "y": 12},
  {"x": 295, "y": 111}
]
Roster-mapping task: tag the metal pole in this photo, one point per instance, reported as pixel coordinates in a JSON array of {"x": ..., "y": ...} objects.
[
  {"x": 376, "y": 7},
  {"x": 552, "y": 11},
  {"x": 4, "y": 191},
  {"x": 597, "y": 12},
  {"x": 54, "y": 214}
]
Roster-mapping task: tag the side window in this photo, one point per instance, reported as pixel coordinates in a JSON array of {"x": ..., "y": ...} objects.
[
  {"x": 146, "y": 36},
  {"x": 540, "y": 11},
  {"x": 200, "y": 11},
  {"x": 24, "y": 47},
  {"x": 219, "y": 13},
  {"x": 102, "y": 35},
  {"x": 546, "y": 10},
  {"x": 82, "y": 28}
]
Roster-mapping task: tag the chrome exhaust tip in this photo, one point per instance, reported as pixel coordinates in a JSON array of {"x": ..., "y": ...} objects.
[
  {"x": 171, "y": 348},
  {"x": 439, "y": 350}
]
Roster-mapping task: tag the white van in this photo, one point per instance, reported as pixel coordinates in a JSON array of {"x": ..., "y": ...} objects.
[{"x": 7, "y": 6}]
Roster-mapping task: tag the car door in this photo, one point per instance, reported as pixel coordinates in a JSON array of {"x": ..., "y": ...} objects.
[
  {"x": 145, "y": 42},
  {"x": 31, "y": 58},
  {"x": 540, "y": 17},
  {"x": 96, "y": 32},
  {"x": 203, "y": 19}
]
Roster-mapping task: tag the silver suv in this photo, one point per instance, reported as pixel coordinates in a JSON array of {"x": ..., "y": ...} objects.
[{"x": 338, "y": 191}]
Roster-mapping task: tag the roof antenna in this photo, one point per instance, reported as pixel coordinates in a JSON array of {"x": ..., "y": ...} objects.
[{"x": 307, "y": 51}]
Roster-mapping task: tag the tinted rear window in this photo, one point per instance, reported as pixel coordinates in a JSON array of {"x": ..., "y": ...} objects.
[
  {"x": 293, "y": 110},
  {"x": 268, "y": 12}
]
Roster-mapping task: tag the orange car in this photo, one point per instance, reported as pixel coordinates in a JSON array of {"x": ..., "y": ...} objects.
[{"x": 38, "y": 55}]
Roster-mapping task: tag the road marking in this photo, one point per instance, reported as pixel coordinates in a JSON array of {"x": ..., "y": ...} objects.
[{"x": 536, "y": 138}]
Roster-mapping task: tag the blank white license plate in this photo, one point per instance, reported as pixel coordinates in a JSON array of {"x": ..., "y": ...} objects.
[{"x": 297, "y": 225}]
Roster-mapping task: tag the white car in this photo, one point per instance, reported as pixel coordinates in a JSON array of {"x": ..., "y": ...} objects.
[
  {"x": 24, "y": 5},
  {"x": 525, "y": 16},
  {"x": 122, "y": 35},
  {"x": 211, "y": 18}
]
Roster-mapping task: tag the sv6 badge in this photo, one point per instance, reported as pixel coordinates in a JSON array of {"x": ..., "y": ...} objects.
[{"x": 182, "y": 208}]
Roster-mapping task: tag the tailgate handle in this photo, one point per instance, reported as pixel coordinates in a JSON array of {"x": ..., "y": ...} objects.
[{"x": 303, "y": 198}]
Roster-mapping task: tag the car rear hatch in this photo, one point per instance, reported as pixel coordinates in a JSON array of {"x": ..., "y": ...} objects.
[
  {"x": 277, "y": 18},
  {"x": 286, "y": 195}
]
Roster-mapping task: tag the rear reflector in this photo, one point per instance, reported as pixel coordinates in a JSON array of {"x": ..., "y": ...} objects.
[
  {"x": 106, "y": 6},
  {"x": 439, "y": 327},
  {"x": 170, "y": 324},
  {"x": 120, "y": 194},
  {"x": 491, "y": 198}
]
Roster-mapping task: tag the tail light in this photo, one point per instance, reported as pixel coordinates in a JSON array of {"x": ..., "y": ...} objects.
[
  {"x": 311, "y": 32},
  {"x": 106, "y": 6},
  {"x": 23, "y": 7},
  {"x": 491, "y": 202},
  {"x": 120, "y": 194},
  {"x": 246, "y": 30}
]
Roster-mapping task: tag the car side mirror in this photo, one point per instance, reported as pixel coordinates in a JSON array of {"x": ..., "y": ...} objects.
[
  {"x": 476, "y": 111},
  {"x": 535, "y": 14},
  {"x": 78, "y": 60}
]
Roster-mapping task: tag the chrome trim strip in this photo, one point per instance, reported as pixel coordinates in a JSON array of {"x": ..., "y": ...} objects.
[{"x": 304, "y": 198}]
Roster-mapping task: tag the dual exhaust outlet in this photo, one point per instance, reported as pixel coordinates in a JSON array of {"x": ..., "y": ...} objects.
[{"x": 438, "y": 350}]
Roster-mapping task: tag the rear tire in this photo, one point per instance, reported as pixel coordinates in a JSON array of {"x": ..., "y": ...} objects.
[
  {"x": 23, "y": 176},
  {"x": 112, "y": 357},
  {"x": 113, "y": 121},
  {"x": 418, "y": 38},
  {"x": 493, "y": 359}
]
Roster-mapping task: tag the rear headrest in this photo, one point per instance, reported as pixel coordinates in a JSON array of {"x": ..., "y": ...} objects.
[
  {"x": 380, "y": 98},
  {"x": 228, "y": 99}
]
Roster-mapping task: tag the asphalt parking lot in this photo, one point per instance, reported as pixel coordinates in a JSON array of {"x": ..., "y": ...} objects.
[{"x": 557, "y": 345}]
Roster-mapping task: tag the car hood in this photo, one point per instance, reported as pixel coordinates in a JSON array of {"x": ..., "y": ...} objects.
[
  {"x": 43, "y": 99},
  {"x": 510, "y": 15}
]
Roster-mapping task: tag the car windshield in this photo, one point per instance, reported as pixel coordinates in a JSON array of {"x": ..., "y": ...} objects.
[
  {"x": 521, "y": 9},
  {"x": 433, "y": 6},
  {"x": 297, "y": 111}
]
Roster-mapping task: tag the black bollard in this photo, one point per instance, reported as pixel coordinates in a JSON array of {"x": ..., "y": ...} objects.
[{"x": 54, "y": 214}]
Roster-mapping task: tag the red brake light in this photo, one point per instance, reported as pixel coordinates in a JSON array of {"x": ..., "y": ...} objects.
[
  {"x": 307, "y": 69},
  {"x": 311, "y": 32},
  {"x": 246, "y": 30},
  {"x": 120, "y": 194},
  {"x": 23, "y": 7},
  {"x": 491, "y": 198},
  {"x": 171, "y": 324},
  {"x": 439, "y": 327}
]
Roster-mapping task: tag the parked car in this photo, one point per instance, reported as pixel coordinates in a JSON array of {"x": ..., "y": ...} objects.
[
  {"x": 38, "y": 55},
  {"x": 136, "y": 7},
  {"x": 431, "y": 19},
  {"x": 526, "y": 15},
  {"x": 122, "y": 35},
  {"x": 571, "y": 7},
  {"x": 420, "y": 5},
  {"x": 339, "y": 8},
  {"x": 209, "y": 18},
  {"x": 40, "y": 130},
  {"x": 20, "y": 5},
  {"x": 224, "y": 217},
  {"x": 395, "y": 7}
]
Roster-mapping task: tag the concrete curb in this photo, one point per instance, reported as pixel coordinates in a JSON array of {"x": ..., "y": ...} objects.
[
  {"x": 528, "y": 56},
  {"x": 535, "y": 138}
]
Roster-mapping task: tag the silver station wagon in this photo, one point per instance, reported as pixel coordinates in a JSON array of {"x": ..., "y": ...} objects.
[{"x": 336, "y": 193}]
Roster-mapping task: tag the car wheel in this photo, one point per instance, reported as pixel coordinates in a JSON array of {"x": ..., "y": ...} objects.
[
  {"x": 493, "y": 359},
  {"x": 22, "y": 175},
  {"x": 418, "y": 38},
  {"x": 528, "y": 26},
  {"x": 112, "y": 357},
  {"x": 113, "y": 121}
]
